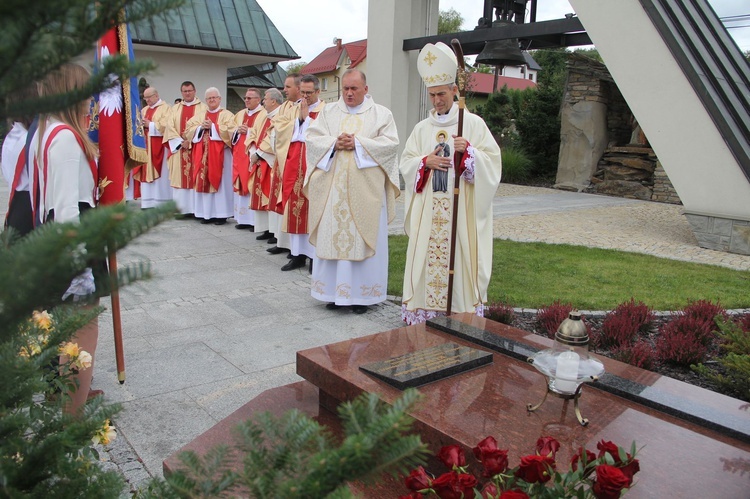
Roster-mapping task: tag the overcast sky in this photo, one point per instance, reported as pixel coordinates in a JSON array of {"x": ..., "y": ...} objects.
[{"x": 300, "y": 23}]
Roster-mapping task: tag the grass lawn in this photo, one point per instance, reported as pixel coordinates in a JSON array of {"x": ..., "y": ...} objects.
[{"x": 533, "y": 275}]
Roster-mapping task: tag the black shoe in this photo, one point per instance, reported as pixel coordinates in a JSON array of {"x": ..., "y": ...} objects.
[
  {"x": 311, "y": 260},
  {"x": 276, "y": 250},
  {"x": 220, "y": 221},
  {"x": 273, "y": 240},
  {"x": 206, "y": 221},
  {"x": 359, "y": 309},
  {"x": 243, "y": 226},
  {"x": 333, "y": 306},
  {"x": 265, "y": 235},
  {"x": 289, "y": 256},
  {"x": 295, "y": 263}
]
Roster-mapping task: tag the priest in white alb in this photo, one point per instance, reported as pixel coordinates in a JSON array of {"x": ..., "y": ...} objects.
[
  {"x": 352, "y": 184},
  {"x": 429, "y": 181}
]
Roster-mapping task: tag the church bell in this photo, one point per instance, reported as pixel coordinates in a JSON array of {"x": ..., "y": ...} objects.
[{"x": 501, "y": 52}]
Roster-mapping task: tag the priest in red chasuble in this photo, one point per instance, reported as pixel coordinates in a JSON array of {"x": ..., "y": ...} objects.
[
  {"x": 294, "y": 202},
  {"x": 244, "y": 120},
  {"x": 180, "y": 157},
  {"x": 261, "y": 153},
  {"x": 211, "y": 135},
  {"x": 154, "y": 175}
]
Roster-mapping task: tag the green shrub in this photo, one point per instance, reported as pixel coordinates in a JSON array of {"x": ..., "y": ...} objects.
[
  {"x": 517, "y": 165},
  {"x": 735, "y": 341}
]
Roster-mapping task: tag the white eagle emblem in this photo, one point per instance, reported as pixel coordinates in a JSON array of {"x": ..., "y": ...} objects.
[{"x": 110, "y": 100}]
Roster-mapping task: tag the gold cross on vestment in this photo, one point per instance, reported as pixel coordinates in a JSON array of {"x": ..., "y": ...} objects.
[{"x": 429, "y": 58}]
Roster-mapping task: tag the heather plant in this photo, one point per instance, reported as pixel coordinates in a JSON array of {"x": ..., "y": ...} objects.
[
  {"x": 639, "y": 354},
  {"x": 622, "y": 325},
  {"x": 550, "y": 317},
  {"x": 500, "y": 312},
  {"x": 684, "y": 341},
  {"x": 703, "y": 310}
]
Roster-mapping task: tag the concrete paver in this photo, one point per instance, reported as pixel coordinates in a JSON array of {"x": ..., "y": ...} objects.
[{"x": 220, "y": 323}]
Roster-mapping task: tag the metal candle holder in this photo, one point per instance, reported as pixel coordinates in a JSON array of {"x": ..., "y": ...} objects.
[{"x": 568, "y": 364}]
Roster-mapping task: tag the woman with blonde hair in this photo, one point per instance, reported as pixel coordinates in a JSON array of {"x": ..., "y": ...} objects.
[{"x": 67, "y": 178}]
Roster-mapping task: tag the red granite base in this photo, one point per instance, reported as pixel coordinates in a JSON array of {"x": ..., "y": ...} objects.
[{"x": 678, "y": 458}]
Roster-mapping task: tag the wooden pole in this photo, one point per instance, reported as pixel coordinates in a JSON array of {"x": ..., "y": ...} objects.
[
  {"x": 116, "y": 319},
  {"x": 457, "y": 157}
]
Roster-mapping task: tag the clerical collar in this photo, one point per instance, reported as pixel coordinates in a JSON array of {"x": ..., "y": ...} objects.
[
  {"x": 357, "y": 108},
  {"x": 442, "y": 118},
  {"x": 192, "y": 103},
  {"x": 156, "y": 104},
  {"x": 314, "y": 105},
  {"x": 274, "y": 112},
  {"x": 251, "y": 112},
  {"x": 215, "y": 110}
]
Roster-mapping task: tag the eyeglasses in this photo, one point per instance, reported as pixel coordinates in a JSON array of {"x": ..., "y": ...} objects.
[
  {"x": 212, "y": 98},
  {"x": 306, "y": 93},
  {"x": 251, "y": 98}
]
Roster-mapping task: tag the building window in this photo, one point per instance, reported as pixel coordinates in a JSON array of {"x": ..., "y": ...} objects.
[
  {"x": 531, "y": 76},
  {"x": 324, "y": 84}
]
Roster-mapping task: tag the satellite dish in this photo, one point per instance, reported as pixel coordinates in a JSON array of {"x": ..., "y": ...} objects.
[{"x": 335, "y": 40}]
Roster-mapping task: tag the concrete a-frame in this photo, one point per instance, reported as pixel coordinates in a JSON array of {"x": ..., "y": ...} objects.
[{"x": 687, "y": 85}]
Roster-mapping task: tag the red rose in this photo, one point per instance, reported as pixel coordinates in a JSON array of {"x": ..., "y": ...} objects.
[
  {"x": 489, "y": 491},
  {"x": 609, "y": 482},
  {"x": 485, "y": 445},
  {"x": 535, "y": 468},
  {"x": 590, "y": 457},
  {"x": 630, "y": 469},
  {"x": 451, "y": 485},
  {"x": 514, "y": 494},
  {"x": 452, "y": 455},
  {"x": 607, "y": 446},
  {"x": 495, "y": 462},
  {"x": 547, "y": 446},
  {"x": 418, "y": 480}
]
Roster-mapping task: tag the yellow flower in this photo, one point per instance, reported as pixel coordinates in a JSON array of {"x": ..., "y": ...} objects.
[
  {"x": 43, "y": 320},
  {"x": 70, "y": 349},
  {"x": 83, "y": 361},
  {"x": 105, "y": 435}
]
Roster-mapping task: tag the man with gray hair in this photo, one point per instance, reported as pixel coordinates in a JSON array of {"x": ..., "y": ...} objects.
[
  {"x": 211, "y": 135},
  {"x": 260, "y": 149},
  {"x": 154, "y": 176}
]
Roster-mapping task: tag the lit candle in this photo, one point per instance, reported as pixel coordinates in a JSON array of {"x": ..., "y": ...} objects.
[{"x": 566, "y": 374}]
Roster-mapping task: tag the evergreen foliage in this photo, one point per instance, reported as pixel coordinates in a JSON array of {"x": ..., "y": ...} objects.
[
  {"x": 295, "y": 457},
  {"x": 38, "y": 37},
  {"x": 735, "y": 342},
  {"x": 45, "y": 452}
]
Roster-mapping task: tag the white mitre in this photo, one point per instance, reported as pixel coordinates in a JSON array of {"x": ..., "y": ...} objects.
[{"x": 437, "y": 65}]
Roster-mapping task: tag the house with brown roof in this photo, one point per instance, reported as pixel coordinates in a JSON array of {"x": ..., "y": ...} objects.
[{"x": 329, "y": 66}]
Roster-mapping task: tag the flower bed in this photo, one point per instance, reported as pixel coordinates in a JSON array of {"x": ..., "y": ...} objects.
[{"x": 702, "y": 344}]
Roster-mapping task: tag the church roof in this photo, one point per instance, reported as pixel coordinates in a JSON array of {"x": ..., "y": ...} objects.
[
  {"x": 238, "y": 26},
  {"x": 328, "y": 60},
  {"x": 481, "y": 83},
  {"x": 259, "y": 76}
]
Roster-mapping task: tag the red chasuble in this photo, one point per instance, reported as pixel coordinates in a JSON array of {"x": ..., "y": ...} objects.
[
  {"x": 240, "y": 161},
  {"x": 208, "y": 160},
  {"x": 186, "y": 161},
  {"x": 295, "y": 204},
  {"x": 156, "y": 146},
  {"x": 260, "y": 177}
]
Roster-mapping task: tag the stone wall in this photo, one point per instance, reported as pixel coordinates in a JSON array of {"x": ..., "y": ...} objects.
[{"x": 599, "y": 157}]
